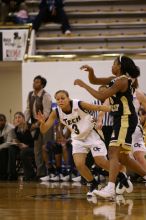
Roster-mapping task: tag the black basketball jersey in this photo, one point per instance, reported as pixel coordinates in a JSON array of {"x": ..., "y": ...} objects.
[{"x": 122, "y": 102}]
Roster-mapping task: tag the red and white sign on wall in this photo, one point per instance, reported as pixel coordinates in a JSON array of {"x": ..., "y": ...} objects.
[{"x": 13, "y": 44}]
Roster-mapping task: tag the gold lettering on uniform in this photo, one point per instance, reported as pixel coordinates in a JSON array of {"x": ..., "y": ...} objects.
[{"x": 115, "y": 107}]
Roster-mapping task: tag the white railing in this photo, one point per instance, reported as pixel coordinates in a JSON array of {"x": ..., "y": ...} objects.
[{"x": 32, "y": 44}]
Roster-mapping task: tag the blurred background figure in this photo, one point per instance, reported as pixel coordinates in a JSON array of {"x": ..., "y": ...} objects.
[
  {"x": 7, "y": 7},
  {"x": 6, "y": 136},
  {"x": 52, "y": 11},
  {"x": 39, "y": 100},
  {"x": 22, "y": 149}
]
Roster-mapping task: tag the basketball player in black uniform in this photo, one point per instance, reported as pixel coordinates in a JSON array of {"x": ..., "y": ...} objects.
[{"x": 125, "y": 119}]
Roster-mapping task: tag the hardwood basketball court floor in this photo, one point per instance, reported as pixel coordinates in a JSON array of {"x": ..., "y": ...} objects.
[{"x": 67, "y": 201}]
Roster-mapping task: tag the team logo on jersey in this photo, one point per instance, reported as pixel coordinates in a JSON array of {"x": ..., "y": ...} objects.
[
  {"x": 96, "y": 148},
  {"x": 115, "y": 107},
  {"x": 137, "y": 145}
]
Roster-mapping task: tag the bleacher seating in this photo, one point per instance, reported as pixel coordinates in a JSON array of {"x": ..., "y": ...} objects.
[{"x": 98, "y": 27}]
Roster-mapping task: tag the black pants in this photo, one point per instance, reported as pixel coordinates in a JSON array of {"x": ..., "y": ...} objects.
[
  {"x": 13, "y": 152},
  {"x": 45, "y": 16},
  {"x": 26, "y": 156},
  {"x": 3, "y": 164}
]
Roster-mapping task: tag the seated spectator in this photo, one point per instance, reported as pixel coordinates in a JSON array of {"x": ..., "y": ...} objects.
[
  {"x": 52, "y": 155},
  {"x": 8, "y": 7},
  {"x": 23, "y": 145},
  {"x": 52, "y": 10},
  {"x": 60, "y": 152},
  {"x": 64, "y": 138},
  {"x": 52, "y": 152},
  {"x": 21, "y": 16},
  {"x": 6, "y": 136}
]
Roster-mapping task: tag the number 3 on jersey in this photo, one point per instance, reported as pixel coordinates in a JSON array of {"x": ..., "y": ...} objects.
[{"x": 75, "y": 128}]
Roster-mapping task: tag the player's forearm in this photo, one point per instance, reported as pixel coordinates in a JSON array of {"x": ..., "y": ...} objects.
[
  {"x": 104, "y": 108},
  {"x": 44, "y": 127}
]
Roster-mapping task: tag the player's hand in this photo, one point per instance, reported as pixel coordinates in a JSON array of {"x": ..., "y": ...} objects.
[
  {"x": 87, "y": 68},
  {"x": 79, "y": 82},
  {"x": 40, "y": 117}
]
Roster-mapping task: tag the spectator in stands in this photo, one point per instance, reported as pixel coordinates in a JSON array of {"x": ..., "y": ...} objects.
[
  {"x": 52, "y": 10},
  {"x": 6, "y": 136},
  {"x": 39, "y": 100},
  {"x": 21, "y": 16},
  {"x": 10, "y": 6},
  {"x": 23, "y": 146}
]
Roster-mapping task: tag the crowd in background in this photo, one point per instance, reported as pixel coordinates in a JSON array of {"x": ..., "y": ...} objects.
[
  {"x": 16, "y": 11},
  {"x": 22, "y": 142}
]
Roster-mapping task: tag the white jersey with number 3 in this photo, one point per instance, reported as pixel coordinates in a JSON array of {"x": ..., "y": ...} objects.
[{"x": 78, "y": 121}]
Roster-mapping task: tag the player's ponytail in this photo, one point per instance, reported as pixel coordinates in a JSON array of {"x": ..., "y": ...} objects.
[{"x": 128, "y": 67}]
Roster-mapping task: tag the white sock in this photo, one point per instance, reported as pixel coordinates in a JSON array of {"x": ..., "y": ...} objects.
[
  {"x": 144, "y": 177},
  {"x": 124, "y": 174},
  {"x": 111, "y": 185}
]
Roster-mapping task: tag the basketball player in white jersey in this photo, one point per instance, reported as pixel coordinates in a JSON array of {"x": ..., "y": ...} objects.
[
  {"x": 138, "y": 145},
  {"x": 75, "y": 116}
]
